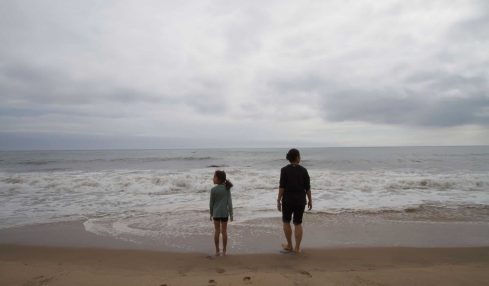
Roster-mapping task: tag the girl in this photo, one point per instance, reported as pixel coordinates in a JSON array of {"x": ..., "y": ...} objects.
[{"x": 221, "y": 208}]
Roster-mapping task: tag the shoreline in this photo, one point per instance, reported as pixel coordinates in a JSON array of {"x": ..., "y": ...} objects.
[
  {"x": 263, "y": 236},
  {"x": 34, "y": 265}
]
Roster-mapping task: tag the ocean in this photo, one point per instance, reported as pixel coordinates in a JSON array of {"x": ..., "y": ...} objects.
[{"x": 137, "y": 195}]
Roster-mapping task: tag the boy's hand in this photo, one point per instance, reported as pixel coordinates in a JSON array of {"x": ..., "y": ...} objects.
[
  {"x": 279, "y": 206},
  {"x": 232, "y": 219},
  {"x": 309, "y": 205},
  {"x": 210, "y": 218}
]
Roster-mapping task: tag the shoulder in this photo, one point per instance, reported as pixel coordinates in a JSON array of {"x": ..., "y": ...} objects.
[
  {"x": 285, "y": 168},
  {"x": 218, "y": 188},
  {"x": 303, "y": 169}
]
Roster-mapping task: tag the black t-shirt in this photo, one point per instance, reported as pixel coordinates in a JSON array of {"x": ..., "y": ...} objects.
[{"x": 296, "y": 182}]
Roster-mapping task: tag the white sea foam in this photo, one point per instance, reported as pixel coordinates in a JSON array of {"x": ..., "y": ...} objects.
[
  {"x": 131, "y": 204},
  {"x": 153, "y": 193}
]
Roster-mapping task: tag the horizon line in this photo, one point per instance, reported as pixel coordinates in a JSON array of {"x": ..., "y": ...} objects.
[{"x": 241, "y": 147}]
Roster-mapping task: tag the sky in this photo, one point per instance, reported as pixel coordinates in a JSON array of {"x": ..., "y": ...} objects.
[{"x": 199, "y": 74}]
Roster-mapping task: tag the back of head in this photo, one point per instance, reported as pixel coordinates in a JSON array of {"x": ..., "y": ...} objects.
[
  {"x": 221, "y": 176},
  {"x": 293, "y": 155}
]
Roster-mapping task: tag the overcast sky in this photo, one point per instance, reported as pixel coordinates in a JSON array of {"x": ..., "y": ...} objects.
[{"x": 168, "y": 74}]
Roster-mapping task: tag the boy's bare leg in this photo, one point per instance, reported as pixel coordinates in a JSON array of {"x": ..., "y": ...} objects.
[
  {"x": 217, "y": 231},
  {"x": 288, "y": 236},
  {"x": 298, "y": 237},
  {"x": 224, "y": 230}
]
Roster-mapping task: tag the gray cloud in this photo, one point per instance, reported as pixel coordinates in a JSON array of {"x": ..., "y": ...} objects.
[
  {"x": 445, "y": 85},
  {"x": 38, "y": 85},
  {"x": 270, "y": 69},
  {"x": 37, "y": 90},
  {"x": 425, "y": 99},
  {"x": 384, "y": 108}
]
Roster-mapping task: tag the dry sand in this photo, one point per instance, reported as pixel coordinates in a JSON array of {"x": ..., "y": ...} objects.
[{"x": 34, "y": 265}]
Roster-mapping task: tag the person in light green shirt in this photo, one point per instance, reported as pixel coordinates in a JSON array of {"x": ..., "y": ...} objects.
[{"x": 221, "y": 209}]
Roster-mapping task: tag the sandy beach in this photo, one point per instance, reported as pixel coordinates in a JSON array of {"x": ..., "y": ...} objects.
[
  {"x": 65, "y": 254},
  {"x": 32, "y": 265}
]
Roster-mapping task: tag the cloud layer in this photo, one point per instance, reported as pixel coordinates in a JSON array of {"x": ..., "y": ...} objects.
[{"x": 309, "y": 73}]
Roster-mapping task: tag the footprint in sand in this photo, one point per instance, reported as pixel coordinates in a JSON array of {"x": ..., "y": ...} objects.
[
  {"x": 220, "y": 270},
  {"x": 212, "y": 282},
  {"x": 305, "y": 273},
  {"x": 38, "y": 281},
  {"x": 368, "y": 282},
  {"x": 247, "y": 280}
]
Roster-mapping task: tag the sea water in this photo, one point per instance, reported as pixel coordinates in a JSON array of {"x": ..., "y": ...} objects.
[{"x": 141, "y": 194}]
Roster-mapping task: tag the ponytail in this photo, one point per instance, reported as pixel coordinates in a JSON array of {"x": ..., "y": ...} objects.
[{"x": 229, "y": 185}]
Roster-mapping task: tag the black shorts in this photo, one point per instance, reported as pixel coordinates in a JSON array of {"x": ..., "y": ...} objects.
[
  {"x": 221, "y": 219},
  {"x": 296, "y": 209}
]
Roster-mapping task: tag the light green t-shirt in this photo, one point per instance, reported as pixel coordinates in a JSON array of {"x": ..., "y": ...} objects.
[{"x": 221, "y": 204}]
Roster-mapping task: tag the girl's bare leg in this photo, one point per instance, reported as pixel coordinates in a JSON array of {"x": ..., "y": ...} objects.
[
  {"x": 224, "y": 230},
  {"x": 217, "y": 231}
]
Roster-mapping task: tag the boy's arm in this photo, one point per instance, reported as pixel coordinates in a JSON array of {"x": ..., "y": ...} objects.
[
  {"x": 281, "y": 190},
  {"x": 309, "y": 199},
  {"x": 279, "y": 198},
  {"x": 308, "y": 191}
]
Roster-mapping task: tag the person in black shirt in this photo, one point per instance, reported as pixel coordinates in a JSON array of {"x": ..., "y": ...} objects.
[{"x": 294, "y": 187}]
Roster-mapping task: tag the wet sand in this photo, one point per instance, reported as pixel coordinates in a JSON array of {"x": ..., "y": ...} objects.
[{"x": 262, "y": 236}]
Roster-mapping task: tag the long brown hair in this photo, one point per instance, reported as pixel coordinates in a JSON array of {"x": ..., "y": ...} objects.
[{"x": 221, "y": 176}]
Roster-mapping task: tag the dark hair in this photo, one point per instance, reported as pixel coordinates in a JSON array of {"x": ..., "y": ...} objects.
[
  {"x": 221, "y": 176},
  {"x": 292, "y": 155}
]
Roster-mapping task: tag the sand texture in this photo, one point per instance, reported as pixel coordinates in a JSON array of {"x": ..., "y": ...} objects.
[{"x": 33, "y": 265}]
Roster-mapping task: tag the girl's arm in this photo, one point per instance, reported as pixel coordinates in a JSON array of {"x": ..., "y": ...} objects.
[
  {"x": 230, "y": 206},
  {"x": 211, "y": 203}
]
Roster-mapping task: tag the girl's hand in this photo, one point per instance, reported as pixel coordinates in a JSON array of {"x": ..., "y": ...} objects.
[
  {"x": 210, "y": 218},
  {"x": 232, "y": 219},
  {"x": 279, "y": 206}
]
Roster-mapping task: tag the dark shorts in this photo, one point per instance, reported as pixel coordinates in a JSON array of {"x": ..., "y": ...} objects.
[
  {"x": 221, "y": 219},
  {"x": 295, "y": 209}
]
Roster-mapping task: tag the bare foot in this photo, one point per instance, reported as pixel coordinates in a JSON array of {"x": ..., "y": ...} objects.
[
  {"x": 297, "y": 251},
  {"x": 286, "y": 247},
  {"x": 218, "y": 253},
  {"x": 224, "y": 253}
]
